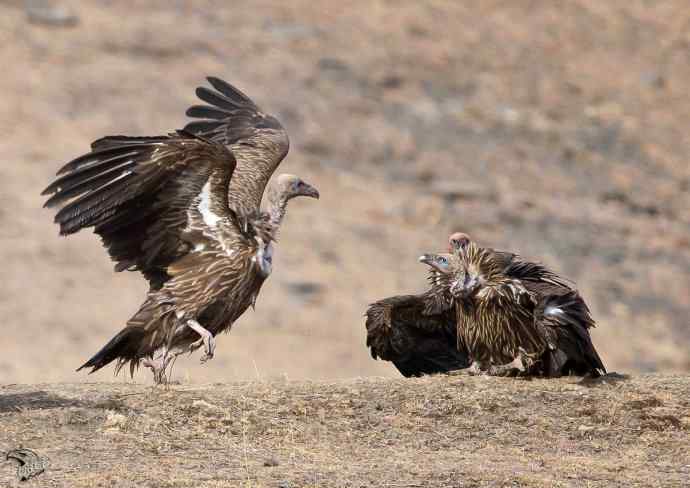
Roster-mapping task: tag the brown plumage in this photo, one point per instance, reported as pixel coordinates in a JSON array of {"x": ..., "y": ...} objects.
[
  {"x": 417, "y": 333},
  {"x": 511, "y": 309},
  {"x": 162, "y": 206},
  {"x": 535, "y": 275},
  {"x": 258, "y": 141}
]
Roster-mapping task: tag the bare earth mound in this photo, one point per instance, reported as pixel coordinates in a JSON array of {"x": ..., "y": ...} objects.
[{"x": 435, "y": 431}]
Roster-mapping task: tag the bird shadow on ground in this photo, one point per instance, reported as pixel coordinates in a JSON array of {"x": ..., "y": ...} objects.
[
  {"x": 35, "y": 400},
  {"x": 607, "y": 379},
  {"x": 40, "y": 400}
]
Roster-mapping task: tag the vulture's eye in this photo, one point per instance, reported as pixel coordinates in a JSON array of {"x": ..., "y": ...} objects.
[{"x": 442, "y": 260}]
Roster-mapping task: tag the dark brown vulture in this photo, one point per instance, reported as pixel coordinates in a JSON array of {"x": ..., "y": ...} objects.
[
  {"x": 515, "y": 314},
  {"x": 417, "y": 333},
  {"x": 162, "y": 206}
]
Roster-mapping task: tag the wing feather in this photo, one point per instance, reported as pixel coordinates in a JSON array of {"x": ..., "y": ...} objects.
[
  {"x": 399, "y": 330},
  {"x": 137, "y": 194},
  {"x": 258, "y": 141}
]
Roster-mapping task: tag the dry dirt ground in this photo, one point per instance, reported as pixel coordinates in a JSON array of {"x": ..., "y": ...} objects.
[
  {"x": 376, "y": 432},
  {"x": 555, "y": 129}
]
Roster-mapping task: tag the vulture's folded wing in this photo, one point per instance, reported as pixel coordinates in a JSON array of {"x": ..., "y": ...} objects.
[
  {"x": 566, "y": 320},
  {"x": 257, "y": 140},
  {"x": 145, "y": 197}
]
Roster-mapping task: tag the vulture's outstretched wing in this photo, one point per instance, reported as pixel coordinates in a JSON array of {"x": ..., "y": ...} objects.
[
  {"x": 399, "y": 330},
  {"x": 257, "y": 140},
  {"x": 504, "y": 259},
  {"x": 565, "y": 319},
  {"x": 535, "y": 276},
  {"x": 147, "y": 197}
]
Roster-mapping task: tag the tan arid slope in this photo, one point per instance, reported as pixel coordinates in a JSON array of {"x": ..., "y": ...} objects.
[
  {"x": 559, "y": 131},
  {"x": 369, "y": 433}
]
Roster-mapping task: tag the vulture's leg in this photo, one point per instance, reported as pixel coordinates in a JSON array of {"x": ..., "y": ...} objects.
[
  {"x": 158, "y": 365},
  {"x": 514, "y": 368},
  {"x": 474, "y": 369},
  {"x": 522, "y": 365},
  {"x": 206, "y": 339}
]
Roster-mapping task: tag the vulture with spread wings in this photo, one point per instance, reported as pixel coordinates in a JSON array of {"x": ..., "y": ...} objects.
[
  {"x": 514, "y": 314},
  {"x": 417, "y": 333},
  {"x": 172, "y": 208}
]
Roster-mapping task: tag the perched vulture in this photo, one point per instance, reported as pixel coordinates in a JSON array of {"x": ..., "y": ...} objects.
[
  {"x": 417, "y": 333},
  {"x": 164, "y": 206},
  {"x": 511, "y": 312}
]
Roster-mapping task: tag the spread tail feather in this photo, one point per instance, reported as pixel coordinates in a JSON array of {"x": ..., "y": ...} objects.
[{"x": 125, "y": 346}]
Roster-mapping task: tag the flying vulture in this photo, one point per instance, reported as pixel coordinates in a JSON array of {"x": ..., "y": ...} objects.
[
  {"x": 417, "y": 333},
  {"x": 514, "y": 314},
  {"x": 171, "y": 208}
]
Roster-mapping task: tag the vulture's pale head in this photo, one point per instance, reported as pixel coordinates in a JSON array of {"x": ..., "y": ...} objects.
[
  {"x": 291, "y": 186},
  {"x": 458, "y": 241}
]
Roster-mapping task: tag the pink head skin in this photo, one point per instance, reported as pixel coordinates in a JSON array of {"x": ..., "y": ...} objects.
[{"x": 458, "y": 241}]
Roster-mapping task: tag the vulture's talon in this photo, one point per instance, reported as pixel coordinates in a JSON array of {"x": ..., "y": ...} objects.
[
  {"x": 207, "y": 340},
  {"x": 458, "y": 372},
  {"x": 195, "y": 345},
  {"x": 158, "y": 367},
  {"x": 511, "y": 370},
  {"x": 209, "y": 349},
  {"x": 474, "y": 369}
]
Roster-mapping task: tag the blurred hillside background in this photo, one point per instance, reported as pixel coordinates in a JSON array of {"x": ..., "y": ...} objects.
[{"x": 556, "y": 129}]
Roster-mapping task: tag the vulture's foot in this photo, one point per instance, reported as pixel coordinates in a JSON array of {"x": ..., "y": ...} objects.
[
  {"x": 512, "y": 369},
  {"x": 524, "y": 365},
  {"x": 474, "y": 369},
  {"x": 207, "y": 340},
  {"x": 158, "y": 366}
]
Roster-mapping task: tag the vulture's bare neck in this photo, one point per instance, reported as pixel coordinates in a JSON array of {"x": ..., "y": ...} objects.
[
  {"x": 277, "y": 206},
  {"x": 256, "y": 162}
]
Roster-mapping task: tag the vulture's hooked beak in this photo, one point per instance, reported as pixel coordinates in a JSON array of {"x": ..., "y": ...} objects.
[
  {"x": 437, "y": 261},
  {"x": 311, "y": 192}
]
